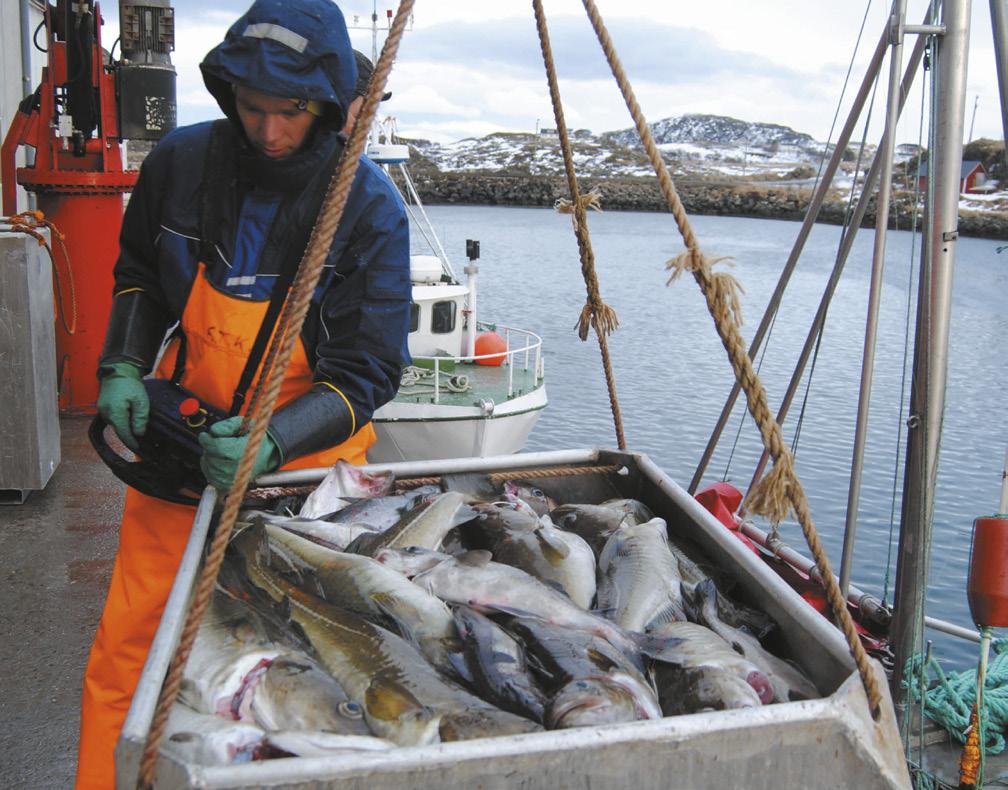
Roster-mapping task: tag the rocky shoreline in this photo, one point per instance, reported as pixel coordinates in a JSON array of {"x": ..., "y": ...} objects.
[{"x": 700, "y": 196}]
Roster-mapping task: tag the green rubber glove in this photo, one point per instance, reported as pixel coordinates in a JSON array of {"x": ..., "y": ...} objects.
[
  {"x": 223, "y": 448},
  {"x": 123, "y": 401}
]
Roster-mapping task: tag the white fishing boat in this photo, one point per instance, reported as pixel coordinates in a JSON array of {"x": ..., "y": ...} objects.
[{"x": 474, "y": 388}]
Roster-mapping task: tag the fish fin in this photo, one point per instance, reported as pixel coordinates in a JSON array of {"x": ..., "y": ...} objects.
[
  {"x": 476, "y": 558},
  {"x": 658, "y": 647},
  {"x": 553, "y": 547},
  {"x": 511, "y": 610},
  {"x": 502, "y": 658},
  {"x": 461, "y": 668},
  {"x": 673, "y": 612},
  {"x": 386, "y": 603}
]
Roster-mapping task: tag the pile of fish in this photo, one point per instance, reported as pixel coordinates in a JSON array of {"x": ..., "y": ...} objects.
[{"x": 371, "y": 620}]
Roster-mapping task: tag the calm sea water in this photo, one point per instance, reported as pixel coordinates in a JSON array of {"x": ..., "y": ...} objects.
[{"x": 673, "y": 375}]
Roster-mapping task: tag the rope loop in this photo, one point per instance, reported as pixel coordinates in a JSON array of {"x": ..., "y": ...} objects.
[
  {"x": 772, "y": 496},
  {"x": 726, "y": 288},
  {"x": 604, "y": 320},
  {"x": 592, "y": 199}
]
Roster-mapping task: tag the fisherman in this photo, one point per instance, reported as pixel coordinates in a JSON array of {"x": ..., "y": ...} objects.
[
  {"x": 364, "y": 72},
  {"x": 220, "y": 211}
]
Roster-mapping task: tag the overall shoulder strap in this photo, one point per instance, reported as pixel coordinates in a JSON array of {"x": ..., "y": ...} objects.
[{"x": 290, "y": 242}]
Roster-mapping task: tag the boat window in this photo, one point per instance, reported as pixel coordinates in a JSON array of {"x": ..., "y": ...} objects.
[
  {"x": 443, "y": 318},
  {"x": 414, "y": 317}
]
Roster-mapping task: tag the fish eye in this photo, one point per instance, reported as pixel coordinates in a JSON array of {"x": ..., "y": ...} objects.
[
  {"x": 537, "y": 492},
  {"x": 352, "y": 710},
  {"x": 413, "y": 549},
  {"x": 581, "y": 684}
]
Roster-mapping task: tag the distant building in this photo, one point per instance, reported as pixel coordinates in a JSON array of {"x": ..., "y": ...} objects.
[
  {"x": 544, "y": 132},
  {"x": 972, "y": 177}
]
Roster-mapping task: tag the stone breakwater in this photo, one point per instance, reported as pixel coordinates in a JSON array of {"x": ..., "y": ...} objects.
[{"x": 699, "y": 196}]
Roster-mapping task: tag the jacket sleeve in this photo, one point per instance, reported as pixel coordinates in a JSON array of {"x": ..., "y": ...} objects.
[
  {"x": 139, "y": 316},
  {"x": 363, "y": 316}
]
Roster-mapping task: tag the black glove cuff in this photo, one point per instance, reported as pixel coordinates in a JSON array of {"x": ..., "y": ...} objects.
[
  {"x": 136, "y": 328},
  {"x": 318, "y": 420}
]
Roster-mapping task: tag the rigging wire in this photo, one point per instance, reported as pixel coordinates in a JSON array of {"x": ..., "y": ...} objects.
[
  {"x": 843, "y": 234},
  {"x": 822, "y": 162},
  {"x": 906, "y": 339}
]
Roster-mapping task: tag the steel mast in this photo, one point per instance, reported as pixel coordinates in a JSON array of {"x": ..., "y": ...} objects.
[{"x": 930, "y": 369}]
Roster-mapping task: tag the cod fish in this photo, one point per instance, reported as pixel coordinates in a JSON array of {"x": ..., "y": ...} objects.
[
  {"x": 380, "y": 513},
  {"x": 700, "y": 688},
  {"x": 539, "y": 502},
  {"x": 595, "y": 523},
  {"x": 231, "y": 648},
  {"x": 788, "y": 682},
  {"x": 472, "y": 579},
  {"x": 690, "y": 646},
  {"x": 411, "y": 560},
  {"x": 294, "y": 693},
  {"x": 370, "y": 589},
  {"x": 496, "y": 663},
  {"x": 589, "y": 681},
  {"x": 425, "y": 528},
  {"x": 206, "y": 739},
  {"x": 342, "y": 482},
  {"x": 405, "y": 699},
  {"x": 639, "y": 576},
  {"x": 518, "y": 537},
  {"x": 325, "y": 533}
]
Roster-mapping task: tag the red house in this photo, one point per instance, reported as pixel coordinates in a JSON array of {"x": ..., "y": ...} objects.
[{"x": 972, "y": 177}]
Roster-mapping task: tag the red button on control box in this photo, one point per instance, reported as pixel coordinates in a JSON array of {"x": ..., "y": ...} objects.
[{"x": 189, "y": 407}]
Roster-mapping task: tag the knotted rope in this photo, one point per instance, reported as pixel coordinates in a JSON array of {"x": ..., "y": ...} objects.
[
  {"x": 779, "y": 492},
  {"x": 266, "y": 394},
  {"x": 596, "y": 313}
]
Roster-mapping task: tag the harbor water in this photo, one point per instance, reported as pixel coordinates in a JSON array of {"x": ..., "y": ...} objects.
[{"x": 672, "y": 374}]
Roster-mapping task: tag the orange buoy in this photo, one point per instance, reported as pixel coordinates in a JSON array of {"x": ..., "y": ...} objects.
[
  {"x": 490, "y": 343},
  {"x": 987, "y": 589}
]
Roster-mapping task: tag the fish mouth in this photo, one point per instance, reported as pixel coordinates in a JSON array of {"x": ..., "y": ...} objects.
[{"x": 761, "y": 685}]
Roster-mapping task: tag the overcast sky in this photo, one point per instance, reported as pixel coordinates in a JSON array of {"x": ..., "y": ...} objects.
[{"x": 467, "y": 68}]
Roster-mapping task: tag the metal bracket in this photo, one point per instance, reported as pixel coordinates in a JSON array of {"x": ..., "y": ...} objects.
[
  {"x": 927, "y": 30},
  {"x": 950, "y": 235}
]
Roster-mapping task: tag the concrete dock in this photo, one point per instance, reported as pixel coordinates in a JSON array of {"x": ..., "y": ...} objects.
[{"x": 58, "y": 549}]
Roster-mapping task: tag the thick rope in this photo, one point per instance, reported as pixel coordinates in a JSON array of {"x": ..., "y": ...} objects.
[
  {"x": 780, "y": 491},
  {"x": 596, "y": 313},
  {"x": 949, "y": 700},
  {"x": 293, "y": 317}
]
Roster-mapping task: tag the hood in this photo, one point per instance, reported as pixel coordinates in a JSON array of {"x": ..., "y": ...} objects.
[{"x": 291, "y": 48}]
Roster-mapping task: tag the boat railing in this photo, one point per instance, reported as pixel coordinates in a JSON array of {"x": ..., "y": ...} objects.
[{"x": 522, "y": 352}]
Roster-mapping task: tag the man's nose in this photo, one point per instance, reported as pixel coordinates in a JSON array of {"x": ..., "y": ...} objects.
[{"x": 271, "y": 128}]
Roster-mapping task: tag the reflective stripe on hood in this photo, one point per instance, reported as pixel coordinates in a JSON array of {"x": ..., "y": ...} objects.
[{"x": 297, "y": 49}]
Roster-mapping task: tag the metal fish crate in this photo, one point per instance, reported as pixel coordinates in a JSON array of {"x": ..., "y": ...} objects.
[{"x": 831, "y": 742}]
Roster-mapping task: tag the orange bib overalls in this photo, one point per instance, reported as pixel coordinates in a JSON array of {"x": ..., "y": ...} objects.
[{"x": 219, "y": 331}]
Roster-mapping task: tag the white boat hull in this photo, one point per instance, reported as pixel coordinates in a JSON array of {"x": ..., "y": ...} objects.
[{"x": 415, "y": 432}]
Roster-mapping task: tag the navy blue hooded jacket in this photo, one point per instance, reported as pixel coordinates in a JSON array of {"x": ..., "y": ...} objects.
[{"x": 355, "y": 334}]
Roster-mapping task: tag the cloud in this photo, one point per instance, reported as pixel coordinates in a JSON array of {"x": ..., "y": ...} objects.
[{"x": 649, "y": 51}]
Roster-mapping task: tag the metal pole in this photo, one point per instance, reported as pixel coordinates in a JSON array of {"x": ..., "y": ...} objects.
[
  {"x": 811, "y": 215},
  {"x": 999, "y": 26},
  {"x": 927, "y": 396},
  {"x": 875, "y": 290},
  {"x": 26, "y": 47},
  {"x": 845, "y": 247}
]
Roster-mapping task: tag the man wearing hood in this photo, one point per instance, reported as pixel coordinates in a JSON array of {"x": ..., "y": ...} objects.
[{"x": 221, "y": 211}]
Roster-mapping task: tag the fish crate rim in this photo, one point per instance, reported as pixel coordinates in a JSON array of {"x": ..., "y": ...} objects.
[{"x": 780, "y": 600}]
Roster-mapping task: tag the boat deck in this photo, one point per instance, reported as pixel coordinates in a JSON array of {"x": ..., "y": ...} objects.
[
  {"x": 58, "y": 550},
  {"x": 484, "y": 382}
]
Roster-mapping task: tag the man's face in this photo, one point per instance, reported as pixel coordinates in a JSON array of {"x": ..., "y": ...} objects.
[{"x": 274, "y": 125}]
